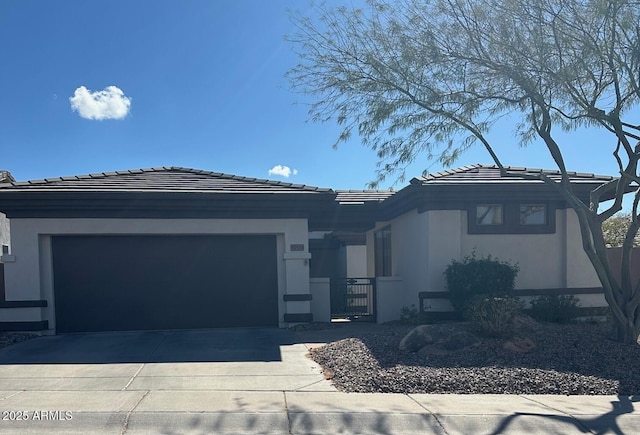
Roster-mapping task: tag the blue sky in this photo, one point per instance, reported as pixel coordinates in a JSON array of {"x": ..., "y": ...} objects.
[{"x": 202, "y": 85}]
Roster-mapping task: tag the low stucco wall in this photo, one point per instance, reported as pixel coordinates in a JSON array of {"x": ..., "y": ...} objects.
[
  {"x": 585, "y": 300},
  {"x": 389, "y": 291},
  {"x": 321, "y": 302}
]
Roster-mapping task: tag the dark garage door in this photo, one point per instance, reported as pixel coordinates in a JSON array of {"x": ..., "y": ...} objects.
[{"x": 121, "y": 283}]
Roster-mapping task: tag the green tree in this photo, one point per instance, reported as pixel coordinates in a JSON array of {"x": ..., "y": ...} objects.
[{"x": 430, "y": 77}]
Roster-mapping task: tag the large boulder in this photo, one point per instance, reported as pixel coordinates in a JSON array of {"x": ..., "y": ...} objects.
[
  {"x": 460, "y": 340},
  {"x": 524, "y": 324},
  {"x": 417, "y": 338},
  {"x": 519, "y": 345}
]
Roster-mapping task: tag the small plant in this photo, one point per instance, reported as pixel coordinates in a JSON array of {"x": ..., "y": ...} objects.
[
  {"x": 555, "y": 308},
  {"x": 474, "y": 276},
  {"x": 493, "y": 316},
  {"x": 411, "y": 316}
]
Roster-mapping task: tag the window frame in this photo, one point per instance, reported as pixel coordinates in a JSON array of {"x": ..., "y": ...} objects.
[
  {"x": 511, "y": 218},
  {"x": 383, "y": 263}
]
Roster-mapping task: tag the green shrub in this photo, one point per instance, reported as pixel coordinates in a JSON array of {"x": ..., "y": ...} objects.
[
  {"x": 478, "y": 276},
  {"x": 493, "y": 316},
  {"x": 556, "y": 308},
  {"x": 411, "y": 316}
]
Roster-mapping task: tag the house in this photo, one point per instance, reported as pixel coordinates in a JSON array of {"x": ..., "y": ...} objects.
[{"x": 176, "y": 248}]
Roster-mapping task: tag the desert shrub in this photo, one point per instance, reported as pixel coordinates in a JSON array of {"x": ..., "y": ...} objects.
[
  {"x": 478, "y": 276},
  {"x": 493, "y": 316},
  {"x": 412, "y": 316},
  {"x": 555, "y": 308}
]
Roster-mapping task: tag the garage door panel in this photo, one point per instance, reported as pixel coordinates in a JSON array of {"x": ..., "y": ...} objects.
[{"x": 164, "y": 282}]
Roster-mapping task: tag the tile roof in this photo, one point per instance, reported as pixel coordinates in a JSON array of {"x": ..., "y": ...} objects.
[
  {"x": 362, "y": 196},
  {"x": 478, "y": 173},
  {"x": 5, "y": 176},
  {"x": 178, "y": 179},
  {"x": 165, "y": 179}
]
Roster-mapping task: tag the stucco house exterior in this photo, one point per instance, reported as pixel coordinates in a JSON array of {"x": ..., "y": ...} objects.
[{"x": 177, "y": 248}]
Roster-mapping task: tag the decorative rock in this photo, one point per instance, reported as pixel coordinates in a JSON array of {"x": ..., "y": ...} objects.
[
  {"x": 328, "y": 373},
  {"x": 431, "y": 350},
  {"x": 524, "y": 323},
  {"x": 460, "y": 340},
  {"x": 416, "y": 339},
  {"x": 519, "y": 345},
  {"x": 445, "y": 337}
]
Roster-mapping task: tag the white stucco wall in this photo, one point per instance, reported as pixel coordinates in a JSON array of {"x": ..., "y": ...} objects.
[
  {"x": 409, "y": 239},
  {"x": 30, "y": 276},
  {"x": 580, "y": 272},
  {"x": 446, "y": 230},
  {"x": 545, "y": 260},
  {"x": 352, "y": 261},
  {"x": 356, "y": 259},
  {"x": 389, "y": 301},
  {"x": 423, "y": 244},
  {"x": 541, "y": 257}
]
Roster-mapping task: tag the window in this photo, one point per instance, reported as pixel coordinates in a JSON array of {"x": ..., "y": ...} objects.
[
  {"x": 533, "y": 214},
  {"x": 512, "y": 217},
  {"x": 489, "y": 214},
  {"x": 382, "y": 249}
]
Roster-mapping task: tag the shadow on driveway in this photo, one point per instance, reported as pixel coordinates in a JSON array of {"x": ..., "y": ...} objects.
[{"x": 211, "y": 345}]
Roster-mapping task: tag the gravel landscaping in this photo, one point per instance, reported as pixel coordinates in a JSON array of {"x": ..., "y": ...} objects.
[{"x": 568, "y": 359}]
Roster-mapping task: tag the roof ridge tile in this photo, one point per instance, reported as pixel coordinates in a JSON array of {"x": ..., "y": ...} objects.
[{"x": 172, "y": 178}]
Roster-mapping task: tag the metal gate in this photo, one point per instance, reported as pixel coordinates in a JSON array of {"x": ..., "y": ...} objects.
[{"x": 353, "y": 298}]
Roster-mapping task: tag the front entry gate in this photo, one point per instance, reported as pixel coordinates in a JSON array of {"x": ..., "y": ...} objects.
[{"x": 353, "y": 298}]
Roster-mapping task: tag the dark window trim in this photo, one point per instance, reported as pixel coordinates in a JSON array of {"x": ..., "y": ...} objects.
[
  {"x": 511, "y": 219},
  {"x": 37, "y": 325},
  {"x": 23, "y": 304},
  {"x": 383, "y": 263},
  {"x": 297, "y": 297}
]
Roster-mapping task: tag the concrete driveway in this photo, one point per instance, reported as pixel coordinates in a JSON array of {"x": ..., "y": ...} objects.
[
  {"x": 214, "y": 360},
  {"x": 224, "y": 380}
]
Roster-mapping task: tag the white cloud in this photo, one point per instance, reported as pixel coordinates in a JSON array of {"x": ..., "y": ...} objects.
[
  {"x": 283, "y": 171},
  {"x": 110, "y": 103}
]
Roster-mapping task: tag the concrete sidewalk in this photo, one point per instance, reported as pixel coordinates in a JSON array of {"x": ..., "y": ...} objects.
[
  {"x": 292, "y": 412},
  {"x": 225, "y": 382}
]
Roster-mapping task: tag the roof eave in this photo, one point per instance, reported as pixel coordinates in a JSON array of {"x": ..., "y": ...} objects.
[{"x": 136, "y": 204}]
